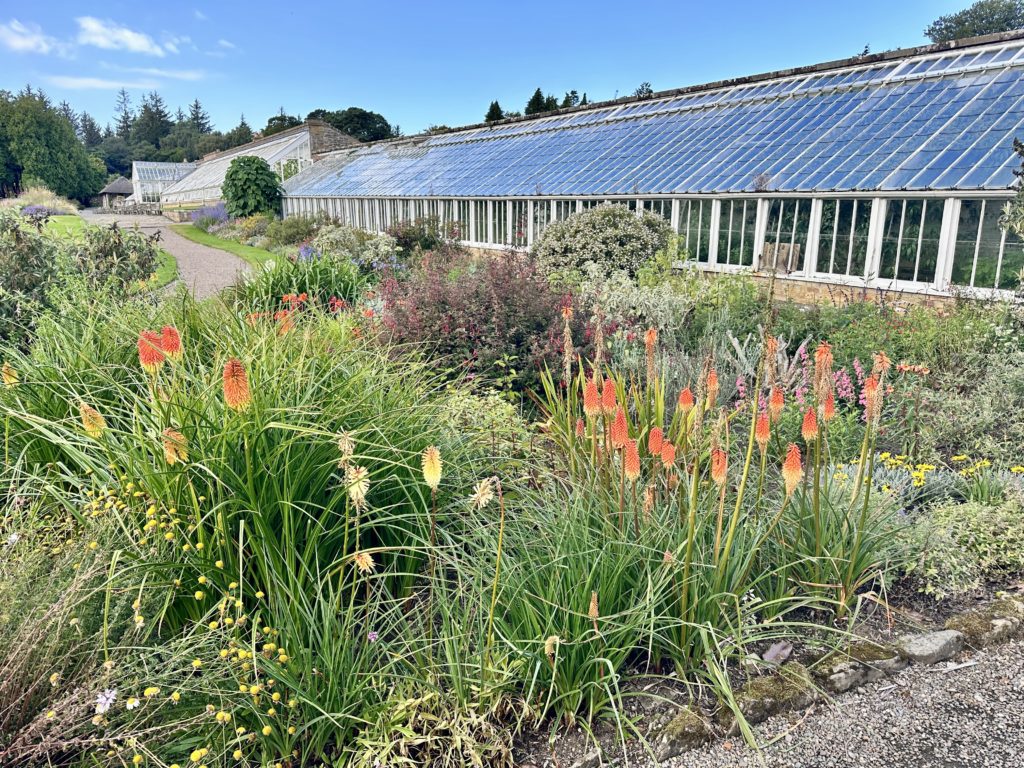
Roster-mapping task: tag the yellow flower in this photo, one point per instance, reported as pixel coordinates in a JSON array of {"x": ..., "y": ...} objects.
[
  {"x": 137, "y": 759},
  {"x": 151, "y": 691},
  {"x": 92, "y": 422},
  {"x": 9, "y": 375},
  {"x": 175, "y": 446},
  {"x": 199, "y": 595},
  {"x": 51, "y": 714},
  {"x": 267, "y": 730},
  {"x": 484, "y": 493},
  {"x": 358, "y": 480},
  {"x": 175, "y": 697},
  {"x": 961, "y": 457},
  {"x": 431, "y": 461},
  {"x": 197, "y": 663},
  {"x": 1017, "y": 470},
  {"x": 54, "y": 678},
  {"x": 196, "y": 756},
  {"x": 237, "y": 754},
  {"x": 364, "y": 562}
]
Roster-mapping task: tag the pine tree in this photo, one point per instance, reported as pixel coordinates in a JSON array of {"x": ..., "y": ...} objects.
[
  {"x": 550, "y": 103},
  {"x": 68, "y": 114},
  {"x": 241, "y": 134},
  {"x": 199, "y": 117},
  {"x": 153, "y": 122},
  {"x": 644, "y": 91},
  {"x": 583, "y": 101},
  {"x": 494, "y": 112},
  {"x": 123, "y": 114},
  {"x": 571, "y": 99},
  {"x": 536, "y": 104},
  {"x": 89, "y": 131}
]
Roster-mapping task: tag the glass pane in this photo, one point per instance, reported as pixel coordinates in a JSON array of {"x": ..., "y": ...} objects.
[
  {"x": 971, "y": 212},
  {"x": 843, "y": 240},
  {"x": 1013, "y": 262},
  {"x": 479, "y": 221},
  {"x": 785, "y": 239},
  {"x": 736, "y": 232},
  {"x": 500, "y": 212},
  {"x": 520, "y": 222}
]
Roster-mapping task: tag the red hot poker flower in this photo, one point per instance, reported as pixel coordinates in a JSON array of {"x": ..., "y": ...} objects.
[
  {"x": 620, "y": 429},
  {"x": 609, "y": 398},
  {"x": 631, "y": 461},
  {"x": 776, "y": 402},
  {"x": 809, "y": 430},
  {"x": 828, "y": 408},
  {"x": 792, "y": 470},
  {"x": 170, "y": 343},
  {"x": 718, "y": 466},
  {"x": 151, "y": 357},
  {"x": 655, "y": 439},
  {"x": 236, "y": 385},
  {"x": 762, "y": 431},
  {"x": 591, "y": 400},
  {"x": 686, "y": 401},
  {"x": 668, "y": 454}
]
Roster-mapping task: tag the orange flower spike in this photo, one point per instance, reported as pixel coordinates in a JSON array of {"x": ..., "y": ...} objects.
[
  {"x": 609, "y": 398},
  {"x": 655, "y": 439},
  {"x": 151, "y": 357},
  {"x": 792, "y": 469},
  {"x": 650, "y": 338},
  {"x": 882, "y": 363},
  {"x": 872, "y": 399},
  {"x": 631, "y": 461},
  {"x": 828, "y": 408},
  {"x": 822, "y": 371},
  {"x": 762, "y": 431},
  {"x": 236, "y": 385},
  {"x": 668, "y": 454},
  {"x": 620, "y": 429},
  {"x": 581, "y": 428},
  {"x": 776, "y": 402},
  {"x": 686, "y": 401},
  {"x": 712, "y": 385},
  {"x": 591, "y": 400},
  {"x": 170, "y": 343},
  {"x": 809, "y": 430},
  {"x": 719, "y": 462}
]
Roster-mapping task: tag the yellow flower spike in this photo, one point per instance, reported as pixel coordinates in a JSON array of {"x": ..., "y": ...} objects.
[
  {"x": 92, "y": 422},
  {"x": 431, "y": 462},
  {"x": 267, "y": 730}
]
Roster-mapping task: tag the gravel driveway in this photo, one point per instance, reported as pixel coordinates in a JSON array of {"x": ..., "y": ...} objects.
[
  {"x": 205, "y": 271},
  {"x": 946, "y": 716}
]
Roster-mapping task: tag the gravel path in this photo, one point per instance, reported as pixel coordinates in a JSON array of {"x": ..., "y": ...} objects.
[
  {"x": 205, "y": 271},
  {"x": 944, "y": 716}
]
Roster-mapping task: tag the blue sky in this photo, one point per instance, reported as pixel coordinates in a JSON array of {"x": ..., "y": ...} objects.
[{"x": 422, "y": 63}]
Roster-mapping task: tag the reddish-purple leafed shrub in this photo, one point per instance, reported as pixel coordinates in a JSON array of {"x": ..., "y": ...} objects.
[{"x": 479, "y": 312}]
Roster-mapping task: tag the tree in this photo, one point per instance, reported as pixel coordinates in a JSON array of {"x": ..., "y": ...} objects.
[
  {"x": 571, "y": 99},
  {"x": 68, "y": 114},
  {"x": 182, "y": 143},
  {"x": 280, "y": 122},
  {"x": 239, "y": 135},
  {"x": 116, "y": 155},
  {"x": 357, "y": 122},
  {"x": 153, "y": 121},
  {"x": 251, "y": 187},
  {"x": 89, "y": 131},
  {"x": 37, "y": 142},
  {"x": 494, "y": 112},
  {"x": 199, "y": 118},
  {"x": 550, "y": 103},
  {"x": 123, "y": 115},
  {"x": 536, "y": 104},
  {"x": 985, "y": 17},
  {"x": 643, "y": 91},
  {"x": 583, "y": 101}
]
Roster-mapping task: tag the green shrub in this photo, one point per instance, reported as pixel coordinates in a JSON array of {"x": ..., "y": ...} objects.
[
  {"x": 421, "y": 235},
  {"x": 958, "y": 547},
  {"x": 320, "y": 280},
  {"x": 251, "y": 187},
  {"x": 611, "y": 236},
  {"x": 290, "y": 231}
]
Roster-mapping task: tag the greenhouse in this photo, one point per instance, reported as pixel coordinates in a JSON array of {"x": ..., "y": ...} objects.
[
  {"x": 886, "y": 171},
  {"x": 287, "y": 153},
  {"x": 150, "y": 179}
]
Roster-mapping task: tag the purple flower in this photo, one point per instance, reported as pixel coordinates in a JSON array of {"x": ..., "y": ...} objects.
[{"x": 372, "y": 636}]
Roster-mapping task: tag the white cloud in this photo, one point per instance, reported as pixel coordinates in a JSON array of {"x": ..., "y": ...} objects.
[
  {"x": 111, "y": 36},
  {"x": 172, "y": 42},
  {"x": 226, "y": 43},
  {"x": 29, "y": 38},
  {"x": 190, "y": 75},
  {"x": 200, "y": 16},
  {"x": 99, "y": 83}
]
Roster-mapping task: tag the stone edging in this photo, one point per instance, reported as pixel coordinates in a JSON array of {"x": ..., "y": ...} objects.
[{"x": 793, "y": 686}]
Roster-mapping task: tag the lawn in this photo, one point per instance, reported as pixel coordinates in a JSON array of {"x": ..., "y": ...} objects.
[
  {"x": 71, "y": 225},
  {"x": 257, "y": 257}
]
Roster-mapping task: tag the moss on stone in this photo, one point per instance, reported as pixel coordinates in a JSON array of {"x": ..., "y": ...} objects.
[{"x": 977, "y": 625}]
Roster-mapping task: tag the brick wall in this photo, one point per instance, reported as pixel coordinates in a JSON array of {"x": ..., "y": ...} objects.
[
  {"x": 325, "y": 138},
  {"x": 815, "y": 292}
]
